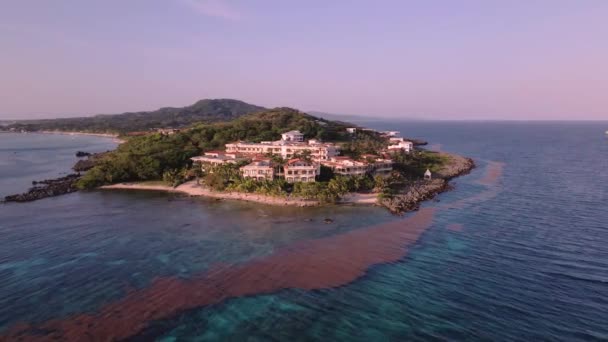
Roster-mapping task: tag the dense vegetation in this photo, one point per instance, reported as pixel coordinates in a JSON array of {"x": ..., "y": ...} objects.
[
  {"x": 228, "y": 178},
  {"x": 155, "y": 156},
  {"x": 169, "y": 117},
  {"x": 167, "y": 157},
  {"x": 364, "y": 142}
]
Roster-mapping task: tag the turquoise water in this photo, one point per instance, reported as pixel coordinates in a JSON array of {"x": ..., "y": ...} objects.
[{"x": 522, "y": 258}]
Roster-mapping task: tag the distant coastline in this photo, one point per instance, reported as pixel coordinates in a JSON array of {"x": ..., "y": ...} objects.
[
  {"x": 104, "y": 135},
  {"x": 93, "y": 134}
]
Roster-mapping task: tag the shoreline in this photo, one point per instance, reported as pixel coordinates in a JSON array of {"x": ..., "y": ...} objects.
[
  {"x": 408, "y": 200},
  {"x": 115, "y": 137},
  {"x": 190, "y": 188}
]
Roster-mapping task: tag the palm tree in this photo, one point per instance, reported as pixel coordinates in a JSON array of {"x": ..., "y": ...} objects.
[{"x": 278, "y": 162}]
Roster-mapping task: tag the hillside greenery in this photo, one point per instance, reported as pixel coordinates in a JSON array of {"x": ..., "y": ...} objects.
[
  {"x": 159, "y": 157},
  {"x": 156, "y": 156},
  {"x": 210, "y": 110}
]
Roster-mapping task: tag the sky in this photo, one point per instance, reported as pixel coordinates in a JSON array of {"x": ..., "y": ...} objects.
[{"x": 428, "y": 59}]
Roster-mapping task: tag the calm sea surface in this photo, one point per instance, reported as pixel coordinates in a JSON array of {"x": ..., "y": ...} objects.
[
  {"x": 518, "y": 251},
  {"x": 28, "y": 157}
]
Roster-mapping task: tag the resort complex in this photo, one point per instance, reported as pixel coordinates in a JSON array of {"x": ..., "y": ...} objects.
[
  {"x": 286, "y": 148},
  {"x": 297, "y": 160}
]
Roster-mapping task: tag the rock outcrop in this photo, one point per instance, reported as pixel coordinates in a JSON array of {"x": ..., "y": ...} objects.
[
  {"x": 410, "y": 197},
  {"x": 88, "y": 163},
  {"x": 413, "y": 194},
  {"x": 81, "y": 154},
  {"x": 47, "y": 188},
  {"x": 454, "y": 166}
]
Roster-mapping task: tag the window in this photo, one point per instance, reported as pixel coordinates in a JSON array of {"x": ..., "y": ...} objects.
[{"x": 289, "y": 172}]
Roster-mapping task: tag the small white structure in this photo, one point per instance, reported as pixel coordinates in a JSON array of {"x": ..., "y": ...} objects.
[
  {"x": 427, "y": 174},
  {"x": 390, "y": 133},
  {"x": 395, "y": 139},
  {"x": 405, "y": 145},
  {"x": 298, "y": 170},
  {"x": 260, "y": 169},
  {"x": 295, "y": 136},
  {"x": 167, "y": 131},
  {"x": 351, "y": 130}
]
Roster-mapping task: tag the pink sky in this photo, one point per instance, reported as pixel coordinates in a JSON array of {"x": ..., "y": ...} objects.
[{"x": 468, "y": 59}]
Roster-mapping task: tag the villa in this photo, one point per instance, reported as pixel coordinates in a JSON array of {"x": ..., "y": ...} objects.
[
  {"x": 291, "y": 144},
  {"x": 383, "y": 167},
  {"x": 403, "y": 145},
  {"x": 295, "y": 136},
  {"x": 347, "y": 167},
  {"x": 167, "y": 131},
  {"x": 299, "y": 170},
  {"x": 260, "y": 169},
  {"x": 215, "y": 158},
  {"x": 390, "y": 133}
]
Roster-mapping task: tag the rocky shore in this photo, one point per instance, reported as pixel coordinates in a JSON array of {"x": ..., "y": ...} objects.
[
  {"x": 410, "y": 197},
  {"x": 89, "y": 162},
  {"x": 47, "y": 188},
  {"x": 58, "y": 186}
]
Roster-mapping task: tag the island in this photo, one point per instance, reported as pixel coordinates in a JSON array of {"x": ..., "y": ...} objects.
[{"x": 278, "y": 156}]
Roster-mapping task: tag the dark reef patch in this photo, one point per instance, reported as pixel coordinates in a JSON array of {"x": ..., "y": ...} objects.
[{"x": 312, "y": 264}]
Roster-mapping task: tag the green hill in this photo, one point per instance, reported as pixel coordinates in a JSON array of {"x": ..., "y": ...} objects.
[
  {"x": 148, "y": 157},
  {"x": 210, "y": 110}
]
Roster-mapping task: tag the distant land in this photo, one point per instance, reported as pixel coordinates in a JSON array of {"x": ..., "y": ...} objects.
[
  {"x": 7, "y": 122},
  {"x": 356, "y": 118},
  {"x": 209, "y": 110}
]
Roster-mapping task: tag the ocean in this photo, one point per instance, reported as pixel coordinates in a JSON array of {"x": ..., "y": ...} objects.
[
  {"x": 518, "y": 250},
  {"x": 33, "y": 157}
]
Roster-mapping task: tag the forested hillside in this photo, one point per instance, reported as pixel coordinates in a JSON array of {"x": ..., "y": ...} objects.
[
  {"x": 169, "y": 117},
  {"x": 149, "y": 157}
]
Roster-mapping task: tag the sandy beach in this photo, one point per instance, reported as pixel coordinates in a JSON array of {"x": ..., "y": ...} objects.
[
  {"x": 192, "y": 189},
  {"x": 105, "y": 135}
]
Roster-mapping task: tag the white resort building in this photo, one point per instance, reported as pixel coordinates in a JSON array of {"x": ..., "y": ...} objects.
[
  {"x": 346, "y": 166},
  {"x": 215, "y": 158},
  {"x": 291, "y": 144},
  {"x": 295, "y": 136},
  {"x": 403, "y": 145},
  {"x": 260, "y": 169},
  {"x": 382, "y": 167},
  {"x": 390, "y": 133},
  {"x": 298, "y": 170}
]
